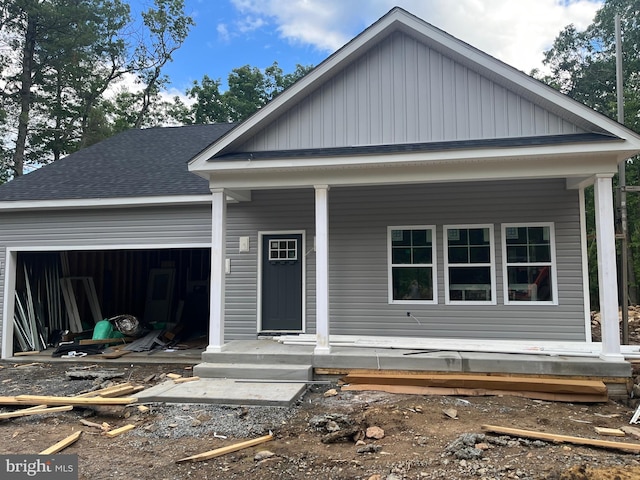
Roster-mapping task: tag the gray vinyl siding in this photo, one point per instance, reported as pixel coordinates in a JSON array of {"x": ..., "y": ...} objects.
[
  {"x": 402, "y": 91},
  {"x": 358, "y": 221},
  {"x": 358, "y": 256},
  {"x": 117, "y": 228},
  {"x": 268, "y": 211}
]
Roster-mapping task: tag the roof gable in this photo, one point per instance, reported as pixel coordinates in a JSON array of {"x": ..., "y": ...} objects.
[
  {"x": 402, "y": 91},
  {"x": 403, "y": 80}
]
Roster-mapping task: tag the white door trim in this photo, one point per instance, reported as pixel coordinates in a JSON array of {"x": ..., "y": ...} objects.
[{"x": 261, "y": 234}]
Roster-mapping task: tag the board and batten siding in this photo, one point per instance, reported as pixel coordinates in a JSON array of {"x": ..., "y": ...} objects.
[{"x": 402, "y": 91}]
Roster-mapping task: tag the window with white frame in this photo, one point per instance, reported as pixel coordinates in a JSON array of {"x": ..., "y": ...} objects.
[
  {"x": 469, "y": 264},
  {"x": 528, "y": 250},
  {"x": 411, "y": 265}
]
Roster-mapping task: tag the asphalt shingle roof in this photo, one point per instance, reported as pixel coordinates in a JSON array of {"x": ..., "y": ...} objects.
[{"x": 148, "y": 162}]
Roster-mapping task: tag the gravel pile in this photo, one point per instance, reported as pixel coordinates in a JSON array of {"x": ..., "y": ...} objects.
[{"x": 203, "y": 420}]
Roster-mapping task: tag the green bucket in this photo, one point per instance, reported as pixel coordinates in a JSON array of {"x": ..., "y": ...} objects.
[{"x": 102, "y": 330}]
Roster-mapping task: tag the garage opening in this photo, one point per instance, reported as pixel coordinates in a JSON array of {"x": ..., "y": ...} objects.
[{"x": 70, "y": 291}]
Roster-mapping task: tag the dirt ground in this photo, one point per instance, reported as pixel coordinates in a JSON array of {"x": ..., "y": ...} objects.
[{"x": 419, "y": 440}]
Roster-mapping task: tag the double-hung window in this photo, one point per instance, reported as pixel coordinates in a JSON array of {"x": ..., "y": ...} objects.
[
  {"x": 469, "y": 264},
  {"x": 529, "y": 266},
  {"x": 412, "y": 270}
]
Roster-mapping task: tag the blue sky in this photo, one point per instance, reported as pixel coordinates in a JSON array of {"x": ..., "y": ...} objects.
[{"x": 233, "y": 33}]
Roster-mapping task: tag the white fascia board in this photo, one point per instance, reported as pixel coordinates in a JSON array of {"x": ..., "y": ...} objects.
[
  {"x": 619, "y": 151},
  {"x": 417, "y": 172},
  {"x": 459, "y": 50},
  {"x": 308, "y": 82},
  {"x": 122, "y": 202}
]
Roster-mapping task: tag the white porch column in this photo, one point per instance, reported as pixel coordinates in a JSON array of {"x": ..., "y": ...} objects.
[
  {"x": 218, "y": 255},
  {"x": 607, "y": 276},
  {"x": 322, "y": 270}
]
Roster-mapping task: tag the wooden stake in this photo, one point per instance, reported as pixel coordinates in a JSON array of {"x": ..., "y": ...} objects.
[
  {"x": 186, "y": 379},
  {"x": 43, "y": 399},
  {"x": 550, "y": 437},
  {"x": 35, "y": 411},
  {"x": 119, "y": 431},
  {"x": 224, "y": 450},
  {"x": 62, "y": 444}
]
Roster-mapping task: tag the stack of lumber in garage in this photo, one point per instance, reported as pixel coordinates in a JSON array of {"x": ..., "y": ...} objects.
[{"x": 542, "y": 388}]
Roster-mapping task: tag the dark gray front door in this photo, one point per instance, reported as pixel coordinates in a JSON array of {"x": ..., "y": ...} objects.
[{"x": 282, "y": 282}]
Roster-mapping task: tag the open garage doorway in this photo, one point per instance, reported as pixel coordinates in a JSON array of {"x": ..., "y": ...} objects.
[{"x": 70, "y": 291}]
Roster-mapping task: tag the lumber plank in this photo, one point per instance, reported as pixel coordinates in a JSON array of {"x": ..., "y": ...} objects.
[
  {"x": 551, "y": 437},
  {"x": 39, "y": 411},
  {"x": 50, "y": 400},
  {"x": 25, "y": 354},
  {"x": 224, "y": 450},
  {"x": 104, "y": 341},
  {"x": 551, "y": 385},
  {"x": 611, "y": 432},
  {"x": 173, "y": 376},
  {"x": 111, "y": 392},
  {"x": 186, "y": 379},
  {"x": 119, "y": 431},
  {"x": 478, "y": 392},
  {"x": 62, "y": 444},
  {"x": 116, "y": 354}
]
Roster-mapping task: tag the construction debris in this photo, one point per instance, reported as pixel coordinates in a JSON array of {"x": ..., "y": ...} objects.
[
  {"x": 550, "y": 437},
  {"x": 610, "y": 432},
  {"x": 228, "y": 449},
  {"x": 186, "y": 379},
  {"x": 47, "y": 400},
  {"x": 119, "y": 431},
  {"x": 35, "y": 411},
  {"x": 62, "y": 444},
  {"x": 554, "y": 389}
]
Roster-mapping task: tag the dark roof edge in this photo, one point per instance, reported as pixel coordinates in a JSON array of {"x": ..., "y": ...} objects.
[{"x": 422, "y": 147}]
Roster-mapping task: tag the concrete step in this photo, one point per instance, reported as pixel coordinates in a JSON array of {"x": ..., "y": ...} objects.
[
  {"x": 224, "y": 391},
  {"x": 255, "y": 371}
]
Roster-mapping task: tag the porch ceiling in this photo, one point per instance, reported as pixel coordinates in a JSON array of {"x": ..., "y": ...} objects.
[{"x": 414, "y": 167}]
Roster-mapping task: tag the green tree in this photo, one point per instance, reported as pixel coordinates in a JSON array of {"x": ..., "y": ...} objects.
[
  {"x": 249, "y": 89},
  {"x": 583, "y": 65},
  {"x": 64, "y": 49}
]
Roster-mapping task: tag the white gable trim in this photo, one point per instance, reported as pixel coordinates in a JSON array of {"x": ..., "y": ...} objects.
[{"x": 398, "y": 19}]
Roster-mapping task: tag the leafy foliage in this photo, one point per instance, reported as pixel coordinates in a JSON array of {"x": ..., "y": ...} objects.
[{"x": 583, "y": 65}]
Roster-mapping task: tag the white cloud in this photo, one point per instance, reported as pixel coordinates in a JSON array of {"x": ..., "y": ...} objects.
[
  {"x": 223, "y": 32},
  {"x": 516, "y": 32}
]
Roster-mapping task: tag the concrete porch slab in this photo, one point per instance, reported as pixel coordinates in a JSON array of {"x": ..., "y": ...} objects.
[{"x": 224, "y": 391}]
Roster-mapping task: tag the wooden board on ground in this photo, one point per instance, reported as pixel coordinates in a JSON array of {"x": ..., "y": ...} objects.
[
  {"x": 62, "y": 444},
  {"x": 35, "y": 411},
  {"x": 116, "y": 354},
  {"x": 46, "y": 400},
  {"x": 478, "y": 392},
  {"x": 611, "y": 432},
  {"x": 489, "y": 382},
  {"x": 551, "y": 437},
  {"x": 224, "y": 450},
  {"x": 186, "y": 379},
  {"x": 119, "y": 431}
]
